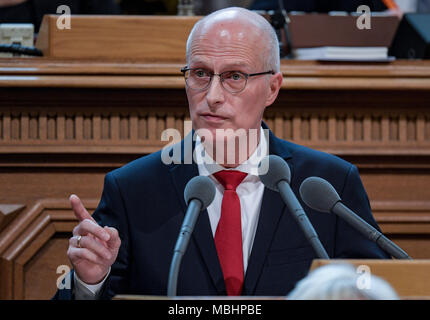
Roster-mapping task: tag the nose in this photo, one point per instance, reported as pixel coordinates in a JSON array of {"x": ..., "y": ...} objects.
[{"x": 215, "y": 93}]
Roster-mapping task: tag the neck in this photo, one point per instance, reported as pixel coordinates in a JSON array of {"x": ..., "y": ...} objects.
[{"x": 231, "y": 151}]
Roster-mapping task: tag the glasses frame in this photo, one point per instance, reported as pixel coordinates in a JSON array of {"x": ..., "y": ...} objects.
[{"x": 212, "y": 74}]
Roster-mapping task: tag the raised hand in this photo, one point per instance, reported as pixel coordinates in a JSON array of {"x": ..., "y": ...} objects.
[{"x": 92, "y": 249}]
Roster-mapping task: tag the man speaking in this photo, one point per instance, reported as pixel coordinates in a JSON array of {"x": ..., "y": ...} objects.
[{"x": 245, "y": 242}]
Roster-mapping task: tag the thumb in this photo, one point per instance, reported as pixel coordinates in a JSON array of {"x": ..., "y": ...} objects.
[{"x": 78, "y": 208}]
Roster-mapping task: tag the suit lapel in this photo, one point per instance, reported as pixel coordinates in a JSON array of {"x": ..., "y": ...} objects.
[
  {"x": 272, "y": 208},
  {"x": 202, "y": 234}
]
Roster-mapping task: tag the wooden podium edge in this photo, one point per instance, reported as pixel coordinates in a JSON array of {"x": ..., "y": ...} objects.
[
  {"x": 409, "y": 278},
  {"x": 190, "y": 298},
  {"x": 316, "y": 263}
]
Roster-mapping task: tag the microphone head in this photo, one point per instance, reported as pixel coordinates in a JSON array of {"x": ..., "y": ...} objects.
[
  {"x": 201, "y": 188},
  {"x": 273, "y": 169},
  {"x": 319, "y": 194}
]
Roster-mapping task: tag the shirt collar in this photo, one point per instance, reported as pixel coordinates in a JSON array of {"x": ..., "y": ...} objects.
[{"x": 250, "y": 166}]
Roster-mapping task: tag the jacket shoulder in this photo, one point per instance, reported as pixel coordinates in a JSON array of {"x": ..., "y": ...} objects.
[
  {"x": 305, "y": 162},
  {"x": 148, "y": 167},
  {"x": 305, "y": 156}
]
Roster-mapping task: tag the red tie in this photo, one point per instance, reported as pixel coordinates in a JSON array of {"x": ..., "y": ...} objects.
[{"x": 228, "y": 235}]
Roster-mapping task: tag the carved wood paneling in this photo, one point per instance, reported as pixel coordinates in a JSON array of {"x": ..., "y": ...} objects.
[
  {"x": 59, "y": 128},
  {"x": 8, "y": 212},
  {"x": 33, "y": 246},
  {"x": 407, "y": 223},
  {"x": 377, "y": 132},
  {"x": 320, "y": 129}
]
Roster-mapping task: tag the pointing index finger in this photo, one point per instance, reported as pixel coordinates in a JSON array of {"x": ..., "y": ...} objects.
[{"x": 78, "y": 208}]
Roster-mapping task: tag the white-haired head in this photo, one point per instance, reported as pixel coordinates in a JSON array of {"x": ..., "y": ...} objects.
[
  {"x": 252, "y": 22},
  {"x": 340, "y": 281}
]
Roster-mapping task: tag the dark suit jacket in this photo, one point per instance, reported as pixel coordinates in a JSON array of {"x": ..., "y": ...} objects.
[{"x": 144, "y": 201}]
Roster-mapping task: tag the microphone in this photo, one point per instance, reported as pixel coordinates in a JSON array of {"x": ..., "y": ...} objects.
[
  {"x": 320, "y": 195},
  {"x": 199, "y": 194},
  {"x": 275, "y": 174}
]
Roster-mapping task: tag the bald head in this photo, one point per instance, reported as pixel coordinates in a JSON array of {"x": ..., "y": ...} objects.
[{"x": 241, "y": 26}]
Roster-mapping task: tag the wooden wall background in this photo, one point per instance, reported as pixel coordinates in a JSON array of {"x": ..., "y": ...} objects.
[{"x": 65, "y": 124}]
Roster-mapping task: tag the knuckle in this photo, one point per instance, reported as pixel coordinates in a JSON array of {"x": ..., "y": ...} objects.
[
  {"x": 116, "y": 233},
  {"x": 83, "y": 254},
  {"x": 92, "y": 222},
  {"x": 92, "y": 256},
  {"x": 108, "y": 255},
  {"x": 83, "y": 241}
]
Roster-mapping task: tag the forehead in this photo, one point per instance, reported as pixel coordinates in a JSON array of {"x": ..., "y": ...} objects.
[{"x": 234, "y": 42}]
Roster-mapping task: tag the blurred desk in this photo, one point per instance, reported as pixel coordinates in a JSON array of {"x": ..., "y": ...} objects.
[{"x": 65, "y": 123}]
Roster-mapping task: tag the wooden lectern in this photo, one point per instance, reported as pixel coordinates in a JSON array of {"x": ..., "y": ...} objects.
[
  {"x": 410, "y": 279},
  {"x": 151, "y": 39}
]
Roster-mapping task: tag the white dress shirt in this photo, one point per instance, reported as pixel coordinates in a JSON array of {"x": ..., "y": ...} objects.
[{"x": 250, "y": 193}]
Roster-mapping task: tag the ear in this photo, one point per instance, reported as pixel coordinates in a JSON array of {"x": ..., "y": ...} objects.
[{"x": 274, "y": 87}]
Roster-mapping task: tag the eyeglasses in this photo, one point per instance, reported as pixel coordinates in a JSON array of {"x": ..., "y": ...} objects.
[{"x": 232, "y": 81}]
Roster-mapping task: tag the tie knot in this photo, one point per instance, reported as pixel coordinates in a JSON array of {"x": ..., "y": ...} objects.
[{"x": 230, "y": 179}]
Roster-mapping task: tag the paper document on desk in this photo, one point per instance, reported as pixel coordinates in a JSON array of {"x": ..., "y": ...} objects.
[{"x": 343, "y": 54}]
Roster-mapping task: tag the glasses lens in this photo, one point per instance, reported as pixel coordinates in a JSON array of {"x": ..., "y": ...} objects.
[
  {"x": 233, "y": 81},
  {"x": 197, "y": 78}
]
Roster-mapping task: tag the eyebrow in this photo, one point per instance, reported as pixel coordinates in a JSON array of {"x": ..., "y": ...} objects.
[{"x": 226, "y": 66}]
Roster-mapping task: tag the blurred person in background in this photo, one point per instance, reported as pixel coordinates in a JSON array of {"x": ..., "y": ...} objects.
[{"x": 341, "y": 281}]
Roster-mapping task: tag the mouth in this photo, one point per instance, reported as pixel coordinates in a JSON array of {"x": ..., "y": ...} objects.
[{"x": 210, "y": 117}]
